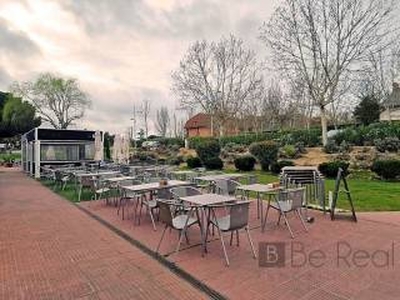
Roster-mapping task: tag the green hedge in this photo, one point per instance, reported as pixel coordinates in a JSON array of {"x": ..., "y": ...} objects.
[
  {"x": 368, "y": 135},
  {"x": 387, "y": 169},
  {"x": 309, "y": 138}
]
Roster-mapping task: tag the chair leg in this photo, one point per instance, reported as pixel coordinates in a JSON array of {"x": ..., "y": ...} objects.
[
  {"x": 250, "y": 242},
  {"x": 79, "y": 194},
  {"x": 230, "y": 242},
  {"x": 152, "y": 218},
  {"x": 223, "y": 246},
  {"x": 237, "y": 238},
  {"x": 288, "y": 225},
  {"x": 183, "y": 232},
  {"x": 162, "y": 237},
  {"x": 302, "y": 220},
  {"x": 265, "y": 219},
  {"x": 279, "y": 218}
]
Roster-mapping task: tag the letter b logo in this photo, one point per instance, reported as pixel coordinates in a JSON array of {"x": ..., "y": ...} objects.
[{"x": 271, "y": 255}]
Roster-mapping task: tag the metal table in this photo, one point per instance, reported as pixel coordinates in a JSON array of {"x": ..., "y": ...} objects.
[
  {"x": 259, "y": 189},
  {"x": 200, "y": 202}
]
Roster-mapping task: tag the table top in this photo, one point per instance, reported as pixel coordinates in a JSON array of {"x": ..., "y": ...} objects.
[
  {"x": 121, "y": 178},
  {"x": 183, "y": 172},
  {"x": 208, "y": 199},
  {"x": 219, "y": 176},
  {"x": 260, "y": 188},
  {"x": 154, "y": 186},
  {"x": 97, "y": 173}
]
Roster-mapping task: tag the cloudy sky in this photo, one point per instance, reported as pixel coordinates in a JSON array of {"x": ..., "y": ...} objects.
[{"x": 122, "y": 51}]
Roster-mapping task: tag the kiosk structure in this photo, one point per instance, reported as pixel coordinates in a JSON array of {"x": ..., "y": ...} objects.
[{"x": 43, "y": 146}]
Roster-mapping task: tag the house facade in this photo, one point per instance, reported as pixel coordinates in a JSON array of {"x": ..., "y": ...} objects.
[
  {"x": 392, "y": 105},
  {"x": 201, "y": 124}
]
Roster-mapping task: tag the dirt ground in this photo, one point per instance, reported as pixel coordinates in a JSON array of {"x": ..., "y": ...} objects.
[{"x": 313, "y": 157}]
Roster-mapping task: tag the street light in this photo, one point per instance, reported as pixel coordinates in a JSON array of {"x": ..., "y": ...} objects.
[{"x": 134, "y": 125}]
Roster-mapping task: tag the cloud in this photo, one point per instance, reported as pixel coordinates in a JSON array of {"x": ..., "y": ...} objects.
[
  {"x": 15, "y": 42},
  {"x": 5, "y": 80},
  {"x": 121, "y": 51}
]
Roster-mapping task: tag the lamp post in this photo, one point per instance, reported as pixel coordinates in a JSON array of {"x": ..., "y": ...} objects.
[{"x": 133, "y": 119}]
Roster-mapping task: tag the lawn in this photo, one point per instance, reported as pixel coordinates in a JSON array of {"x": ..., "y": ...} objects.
[{"x": 367, "y": 194}]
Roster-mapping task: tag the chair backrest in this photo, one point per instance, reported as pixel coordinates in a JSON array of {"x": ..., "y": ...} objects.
[
  {"x": 184, "y": 191},
  {"x": 127, "y": 182},
  {"x": 58, "y": 175},
  {"x": 164, "y": 194},
  {"x": 88, "y": 182},
  {"x": 226, "y": 186},
  {"x": 165, "y": 214},
  {"x": 296, "y": 196},
  {"x": 239, "y": 215}
]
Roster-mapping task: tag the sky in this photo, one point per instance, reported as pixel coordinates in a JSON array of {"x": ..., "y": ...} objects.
[{"x": 121, "y": 51}]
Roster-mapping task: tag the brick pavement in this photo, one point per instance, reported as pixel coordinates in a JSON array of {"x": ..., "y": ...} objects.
[
  {"x": 49, "y": 249},
  {"x": 298, "y": 279}
]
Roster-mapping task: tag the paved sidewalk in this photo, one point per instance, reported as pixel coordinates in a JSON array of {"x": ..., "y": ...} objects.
[{"x": 49, "y": 249}]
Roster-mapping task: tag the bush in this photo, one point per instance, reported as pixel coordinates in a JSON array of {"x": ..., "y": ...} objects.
[
  {"x": 208, "y": 150},
  {"x": 386, "y": 169},
  {"x": 390, "y": 144},
  {"x": 193, "y": 162},
  {"x": 265, "y": 152},
  {"x": 330, "y": 169},
  {"x": 175, "y": 161},
  {"x": 245, "y": 163},
  {"x": 214, "y": 163},
  {"x": 331, "y": 147},
  {"x": 277, "y": 166},
  {"x": 308, "y": 137},
  {"x": 289, "y": 151}
]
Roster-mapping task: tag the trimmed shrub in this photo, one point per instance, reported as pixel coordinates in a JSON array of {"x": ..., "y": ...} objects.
[
  {"x": 193, "y": 162},
  {"x": 277, "y": 166},
  {"x": 331, "y": 147},
  {"x": 245, "y": 163},
  {"x": 330, "y": 169},
  {"x": 390, "y": 144},
  {"x": 265, "y": 152},
  {"x": 288, "y": 151},
  {"x": 176, "y": 161},
  {"x": 214, "y": 163},
  {"x": 208, "y": 150},
  {"x": 386, "y": 169}
]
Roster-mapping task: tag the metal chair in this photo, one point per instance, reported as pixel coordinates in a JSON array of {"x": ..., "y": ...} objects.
[
  {"x": 126, "y": 197},
  {"x": 237, "y": 218},
  {"x": 178, "y": 222},
  {"x": 60, "y": 179},
  {"x": 184, "y": 191},
  {"x": 289, "y": 200},
  {"x": 226, "y": 186}
]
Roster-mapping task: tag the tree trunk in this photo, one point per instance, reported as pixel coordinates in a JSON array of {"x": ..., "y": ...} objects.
[{"x": 324, "y": 126}]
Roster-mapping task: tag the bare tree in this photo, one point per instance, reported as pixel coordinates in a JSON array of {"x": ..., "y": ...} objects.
[
  {"x": 163, "y": 121},
  {"x": 178, "y": 127},
  {"x": 323, "y": 41},
  {"x": 146, "y": 112},
  {"x": 219, "y": 77},
  {"x": 379, "y": 73},
  {"x": 59, "y": 101}
]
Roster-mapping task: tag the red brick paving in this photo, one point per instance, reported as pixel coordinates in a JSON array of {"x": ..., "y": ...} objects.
[
  {"x": 49, "y": 249},
  {"x": 244, "y": 279}
]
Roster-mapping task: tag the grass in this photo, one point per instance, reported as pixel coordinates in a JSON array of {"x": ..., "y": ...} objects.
[
  {"x": 367, "y": 194},
  {"x": 69, "y": 192}
]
